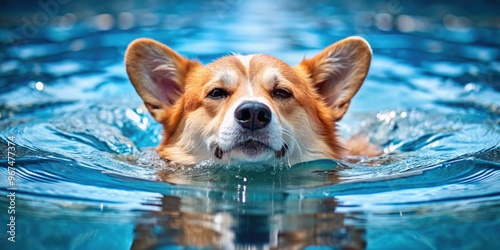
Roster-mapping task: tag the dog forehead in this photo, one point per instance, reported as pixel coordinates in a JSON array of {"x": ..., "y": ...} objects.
[
  {"x": 230, "y": 69},
  {"x": 226, "y": 64}
]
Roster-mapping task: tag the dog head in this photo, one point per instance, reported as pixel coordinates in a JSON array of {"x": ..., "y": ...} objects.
[{"x": 248, "y": 108}]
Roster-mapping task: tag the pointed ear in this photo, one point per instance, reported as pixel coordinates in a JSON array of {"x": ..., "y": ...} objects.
[
  {"x": 157, "y": 73},
  {"x": 338, "y": 72}
]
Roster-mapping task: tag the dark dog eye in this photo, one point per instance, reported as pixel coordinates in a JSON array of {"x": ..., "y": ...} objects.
[
  {"x": 217, "y": 93},
  {"x": 281, "y": 93}
]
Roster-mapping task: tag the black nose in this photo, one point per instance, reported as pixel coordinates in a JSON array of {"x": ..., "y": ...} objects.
[{"x": 253, "y": 115}]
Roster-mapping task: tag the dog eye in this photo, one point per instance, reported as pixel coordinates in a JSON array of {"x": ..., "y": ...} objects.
[
  {"x": 217, "y": 93},
  {"x": 281, "y": 93}
]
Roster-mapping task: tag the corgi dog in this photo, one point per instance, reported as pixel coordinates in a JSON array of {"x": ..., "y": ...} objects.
[{"x": 250, "y": 109}]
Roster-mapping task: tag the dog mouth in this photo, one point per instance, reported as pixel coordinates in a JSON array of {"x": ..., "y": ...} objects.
[{"x": 252, "y": 148}]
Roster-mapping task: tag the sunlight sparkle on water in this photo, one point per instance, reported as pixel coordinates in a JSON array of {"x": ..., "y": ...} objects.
[{"x": 39, "y": 86}]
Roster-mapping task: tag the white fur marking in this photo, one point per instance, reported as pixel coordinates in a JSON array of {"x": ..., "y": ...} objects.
[
  {"x": 270, "y": 74},
  {"x": 245, "y": 61},
  {"x": 250, "y": 88},
  {"x": 229, "y": 77}
]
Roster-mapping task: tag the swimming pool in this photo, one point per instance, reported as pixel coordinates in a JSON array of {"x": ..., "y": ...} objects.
[{"x": 83, "y": 174}]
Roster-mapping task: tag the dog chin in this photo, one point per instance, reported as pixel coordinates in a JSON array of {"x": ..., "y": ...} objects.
[{"x": 250, "y": 152}]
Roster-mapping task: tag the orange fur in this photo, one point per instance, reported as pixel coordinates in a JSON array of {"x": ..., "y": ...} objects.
[{"x": 198, "y": 126}]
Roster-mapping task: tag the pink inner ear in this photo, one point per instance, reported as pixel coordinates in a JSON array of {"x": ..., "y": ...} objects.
[
  {"x": 164, "y": 77},
  {"x": 330, "y": 89}
]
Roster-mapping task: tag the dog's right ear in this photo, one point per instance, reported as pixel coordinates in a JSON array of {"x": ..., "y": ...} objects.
[{"x": 157, "y": 73}]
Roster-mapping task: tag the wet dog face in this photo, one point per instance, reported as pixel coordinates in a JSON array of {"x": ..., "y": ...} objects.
[{"x": 248, "y": 108}]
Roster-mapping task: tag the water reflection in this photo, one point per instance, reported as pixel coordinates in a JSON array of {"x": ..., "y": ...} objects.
[{"x": 282, "y": 224}]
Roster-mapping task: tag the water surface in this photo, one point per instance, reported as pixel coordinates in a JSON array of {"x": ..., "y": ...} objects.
[{"x": 87, "y": 176}]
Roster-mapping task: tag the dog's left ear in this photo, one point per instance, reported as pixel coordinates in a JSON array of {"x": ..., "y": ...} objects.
[{"x": 339, "y": 71}]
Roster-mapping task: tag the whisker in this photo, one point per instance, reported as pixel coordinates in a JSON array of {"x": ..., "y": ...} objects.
[
  {"x": 289, "y": 134},
  {"x": 197, "y": 147},
  {"x": 288, "y": 153},
  {"x": 229, "y": 158}
]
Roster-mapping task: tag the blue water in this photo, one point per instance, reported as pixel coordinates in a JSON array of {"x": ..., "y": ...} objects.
[{"x": 87, "y": 176}]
